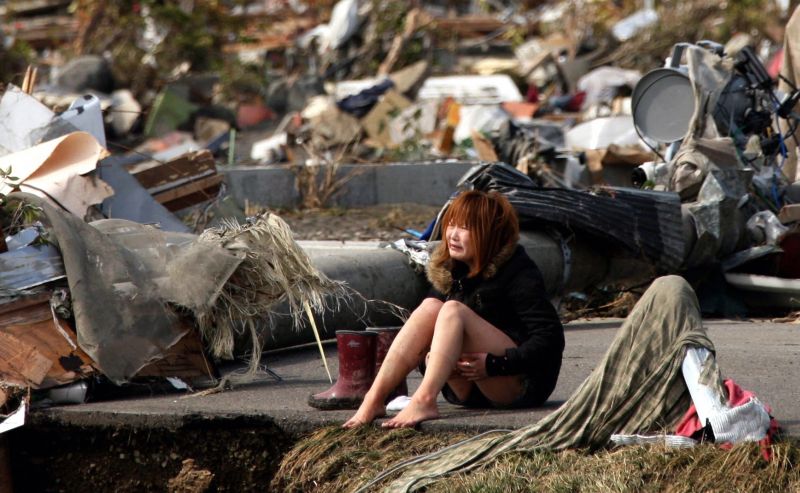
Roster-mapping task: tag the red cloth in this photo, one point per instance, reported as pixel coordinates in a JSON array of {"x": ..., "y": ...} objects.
[
  {"x": 576, "y": 103},
  {"x": 690, "y": 425},
  {"x": 775, "y": 64},
  {"x": 533, "y": 94}
]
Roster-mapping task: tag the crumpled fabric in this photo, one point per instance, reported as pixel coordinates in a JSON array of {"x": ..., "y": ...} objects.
[
  {"x": 690, "y": 426},
  {"x": 123, "y": 276},
  {"x": 417, "y": 251}
]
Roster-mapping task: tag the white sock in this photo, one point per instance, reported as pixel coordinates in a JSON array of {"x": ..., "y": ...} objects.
[
  {"x": 744, "y": 423},
  {"x": 706, "y": 400}
]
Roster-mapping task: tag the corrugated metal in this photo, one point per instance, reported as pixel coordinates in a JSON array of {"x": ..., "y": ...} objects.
[
  {"x": 29, "y": 266},
  {"x": 645, "y": 223}
]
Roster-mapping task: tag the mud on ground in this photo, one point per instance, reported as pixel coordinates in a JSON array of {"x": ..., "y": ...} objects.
[
  {"x": 384, "y": 222},
  {"x": 237, "y": 455}
]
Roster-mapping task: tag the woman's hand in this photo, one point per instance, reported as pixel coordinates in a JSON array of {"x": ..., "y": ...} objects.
[{"x": 472, "y": 366}]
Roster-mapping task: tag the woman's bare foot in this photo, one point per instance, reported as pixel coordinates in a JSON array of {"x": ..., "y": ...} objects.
[
  {"x": 417, "y": 411},
  {"x": 366, "y": 413}
]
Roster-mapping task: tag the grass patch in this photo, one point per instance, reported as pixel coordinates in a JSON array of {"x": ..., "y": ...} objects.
[
  {"x": 333, "y": 459},
  {"x": 637, "y": 469}
]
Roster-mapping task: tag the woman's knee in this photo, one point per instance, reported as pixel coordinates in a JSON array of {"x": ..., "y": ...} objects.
[
  {"x": 425, "y": 313},
  {"x": 452, "y": 309},
  {"x": 453, "y": 315},
  {"x": 430, "y": 307}
]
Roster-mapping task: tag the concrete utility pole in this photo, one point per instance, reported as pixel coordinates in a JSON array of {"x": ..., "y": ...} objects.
[{"x": 386, "y": 274}]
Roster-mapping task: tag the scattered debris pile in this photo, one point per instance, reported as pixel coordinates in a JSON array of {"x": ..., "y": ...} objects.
[
  {"x": 675, "y": 163},
  {"x": 87, "y": 301}
]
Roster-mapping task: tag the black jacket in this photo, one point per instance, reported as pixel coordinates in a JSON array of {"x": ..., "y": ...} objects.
[{"x": 509, "y": 294}]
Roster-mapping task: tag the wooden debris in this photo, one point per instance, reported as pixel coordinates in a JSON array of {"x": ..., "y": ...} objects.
[
  {"x": 185, "y": 359},
  {"x": 46, "y": 30},
  {"x": 33, "y": 307},
  {"x": 789, "y": 213},
  {"x": 29, "y": 82},
  {"x": 36, "y": 352},
  {"x": 411, "y": 25},
  {"x": 484, "y": 147},
  {"x": 452, "y": 110},
  {"x": 21, "y": 363},
  {"x": 186, "y": 180},
  {"x": 27, "y": 7}
]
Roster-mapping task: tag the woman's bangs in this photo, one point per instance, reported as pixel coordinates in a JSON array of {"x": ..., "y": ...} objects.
[{"x": 463, "y": 214}]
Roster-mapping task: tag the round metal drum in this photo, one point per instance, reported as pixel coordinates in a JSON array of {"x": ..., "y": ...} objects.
[{"x": 663, "y": 105}]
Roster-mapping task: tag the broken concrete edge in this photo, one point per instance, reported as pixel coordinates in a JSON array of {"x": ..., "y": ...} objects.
[
  {"x": 293, "y": 423},
  {"x": 170, "y": 421}
]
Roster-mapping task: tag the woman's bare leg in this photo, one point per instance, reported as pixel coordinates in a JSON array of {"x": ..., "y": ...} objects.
[
  {"x": 458, "y": 329},
  {"x": 404, "y": 355}
]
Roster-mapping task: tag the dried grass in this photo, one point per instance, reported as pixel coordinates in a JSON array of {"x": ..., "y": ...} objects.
[
  {"x": 333, "y": 459},
  {"x": 320, "y": 182},
  {"x": 598, "y": 305},
  {"x": 638, "y": 469},
  {"x": 274, "y": 269}
]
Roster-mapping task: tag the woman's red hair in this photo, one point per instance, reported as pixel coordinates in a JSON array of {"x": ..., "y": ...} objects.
[{"x": 491, "y": 221}]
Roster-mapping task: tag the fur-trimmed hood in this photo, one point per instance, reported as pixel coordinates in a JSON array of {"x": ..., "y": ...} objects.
[{"x": 441, "y": 276}]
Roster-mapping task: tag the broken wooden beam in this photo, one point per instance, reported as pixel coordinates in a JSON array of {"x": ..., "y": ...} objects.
[{"x": 187, "y": 180}]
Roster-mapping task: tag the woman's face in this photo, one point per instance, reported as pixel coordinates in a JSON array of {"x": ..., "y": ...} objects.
[{"x": 459, "y": 243}]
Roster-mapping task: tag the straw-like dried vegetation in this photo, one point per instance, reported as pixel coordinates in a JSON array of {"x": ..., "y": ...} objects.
[
  {"x": 638, "y": 469},
  {"x": 333, "y": 459},
  {"x": 599, "y": 304},
  {"x": 274, "y": 268}
]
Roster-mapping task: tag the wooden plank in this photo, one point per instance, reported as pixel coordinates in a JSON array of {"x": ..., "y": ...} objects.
[
  {"x": 42, "y": 30},
  {"x": 180, "y": 182},
  {"x": 32, "y": 308},
  {"x": 189, "y": 164},
  {"x": 185, "y": 359},
  {"x": 28, "y": 322},
  {"x": 28, "y": 6},
  {"x": 68, "y": 363},
  {"x": 21, "y": 363},
  {"x": 483, "y": 147},
  {"x": 202, "y": 189}
]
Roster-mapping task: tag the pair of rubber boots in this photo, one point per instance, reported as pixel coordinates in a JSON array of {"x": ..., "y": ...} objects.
[{"x": 361, "y": 354}]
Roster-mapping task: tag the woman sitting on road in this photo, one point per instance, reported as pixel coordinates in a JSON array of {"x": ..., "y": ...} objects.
[{"x": 491, "y": 336}]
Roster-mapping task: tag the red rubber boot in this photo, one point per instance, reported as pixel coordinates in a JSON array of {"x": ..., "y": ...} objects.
[
  {"x": 384, "y": 340},
  {"x": 356, "y": 371}
]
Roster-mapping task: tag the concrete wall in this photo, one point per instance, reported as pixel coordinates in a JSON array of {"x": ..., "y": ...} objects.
[{"x": 429, "y": 183}]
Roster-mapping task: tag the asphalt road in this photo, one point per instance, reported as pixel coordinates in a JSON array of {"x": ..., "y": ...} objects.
[{"x": 761, "y": 356}]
